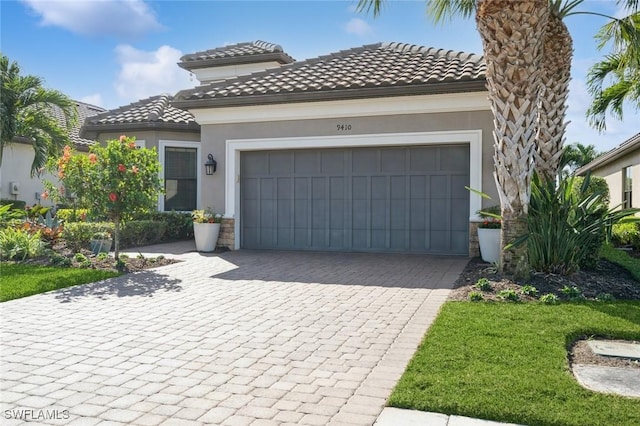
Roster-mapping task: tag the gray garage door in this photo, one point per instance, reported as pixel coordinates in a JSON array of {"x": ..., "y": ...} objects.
[{"x": 409, "y": 199}]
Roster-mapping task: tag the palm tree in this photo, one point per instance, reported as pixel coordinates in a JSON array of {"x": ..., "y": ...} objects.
[
  {"x": 621, "y": 69},
  {"x": 27, "y": 111},
  {"x": 512, "y": 39},
  {"x": 513, "y": 163},
  {"x": 577, "y": 155}
]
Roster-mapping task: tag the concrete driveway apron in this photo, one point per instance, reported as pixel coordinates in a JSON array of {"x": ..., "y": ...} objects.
[{"x": 241, "y": 338}]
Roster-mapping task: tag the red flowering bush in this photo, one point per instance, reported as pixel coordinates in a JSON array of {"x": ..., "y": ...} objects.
[{"x": 117, "y": 180}]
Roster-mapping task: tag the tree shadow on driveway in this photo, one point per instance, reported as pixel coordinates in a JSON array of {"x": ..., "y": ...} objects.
[
  {"x": 386, "y": 270},
  {"x": 143, "y": 283}
]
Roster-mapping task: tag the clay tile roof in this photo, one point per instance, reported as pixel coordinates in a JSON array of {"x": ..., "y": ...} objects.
[
  {"x": 381, "y": 69},
  {"x": 248, "y": 52},
  {"x": 154, "y": 112},
  {"x": 84, "y": 111}
]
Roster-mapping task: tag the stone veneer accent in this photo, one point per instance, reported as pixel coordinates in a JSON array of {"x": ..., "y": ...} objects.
[
  {"x": 474, "y": 246},
  {"x": 227, "y": 234}
]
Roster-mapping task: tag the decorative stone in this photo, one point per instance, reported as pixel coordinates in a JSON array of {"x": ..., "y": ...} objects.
[
  {"x": 616, "y": 380},
  {"x": 617, "y": 349}
]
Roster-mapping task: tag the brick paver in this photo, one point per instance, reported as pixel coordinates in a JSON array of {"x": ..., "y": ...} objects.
[{"x": 239, "y": 338}]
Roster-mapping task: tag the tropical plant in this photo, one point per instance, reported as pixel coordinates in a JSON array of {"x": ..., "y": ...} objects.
[
  {"x": 620, "y": 69},
  {"x": 116, "y": 181},
  {"x": 566, "y": 229},
  {"x": 577, "y": 155},
  {"x": 27, "y": 112},
  {"x": 9, "y": 215},
  {"x": 18, "y": 244}
]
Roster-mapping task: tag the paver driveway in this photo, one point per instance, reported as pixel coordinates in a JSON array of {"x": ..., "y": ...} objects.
[{"x": 236, "y": 339}]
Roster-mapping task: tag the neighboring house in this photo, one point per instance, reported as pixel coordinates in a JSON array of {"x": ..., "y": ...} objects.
[
  {"x": 367, "y": 149},
  {"x": 16, "y": 182},
  {"x": 620, "y": 167}
]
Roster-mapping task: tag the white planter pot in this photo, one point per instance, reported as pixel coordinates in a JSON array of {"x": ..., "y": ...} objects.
[
  {"x": 489, "y": 240},
  {"x": 206, "y": 235}
]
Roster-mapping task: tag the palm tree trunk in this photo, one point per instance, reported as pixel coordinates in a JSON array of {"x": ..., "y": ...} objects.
[
  {"x": 512, "y": 37},
  {"x": 556, "y": 74}
]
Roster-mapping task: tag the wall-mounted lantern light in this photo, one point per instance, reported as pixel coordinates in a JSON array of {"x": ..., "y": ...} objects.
[{"x": 211, "y": 165}]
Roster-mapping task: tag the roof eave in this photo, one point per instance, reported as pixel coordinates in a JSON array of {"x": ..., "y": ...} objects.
[
  {"x": 477, "y": 85},
  {"x": 91, "y": 131},
  {"x": 611, "y": 156},
  {"x": 26, "y": 141},
  {"x": 279, "y": 57}
]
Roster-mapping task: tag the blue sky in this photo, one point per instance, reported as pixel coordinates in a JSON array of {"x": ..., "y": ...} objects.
[{"x": 114, "y": 52}]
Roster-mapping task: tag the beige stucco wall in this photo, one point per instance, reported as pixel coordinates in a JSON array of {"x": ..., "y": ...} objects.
[
  {"x": 213, "y": 138},
  {"x": 612, "y": 172},
  {"x": 16, "y": 167}
]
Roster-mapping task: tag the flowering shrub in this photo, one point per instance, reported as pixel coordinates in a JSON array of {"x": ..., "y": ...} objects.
[
  {"x": 206, "y": 216},
  {"x": 116, "y": 181}
]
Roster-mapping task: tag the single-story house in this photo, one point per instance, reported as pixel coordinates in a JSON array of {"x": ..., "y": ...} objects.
[
  {"x": 619, "y": 167},
  {"x": 366, "y": 149},
  {"x": 16, "y": 182}
]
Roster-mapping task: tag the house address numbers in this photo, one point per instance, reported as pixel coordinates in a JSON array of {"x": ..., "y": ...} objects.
[{"x": 343, "y": 127}]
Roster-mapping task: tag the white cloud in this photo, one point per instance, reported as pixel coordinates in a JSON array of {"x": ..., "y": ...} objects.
[
  {"x": 119, "y": 18},
  {"x": 93, "y": 99},
  {"x": 358, "y": 27},
  {"x": 143, "y": 74}
]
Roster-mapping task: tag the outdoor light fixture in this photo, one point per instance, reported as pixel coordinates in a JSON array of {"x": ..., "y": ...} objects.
[{"x": 211, "y": 165}]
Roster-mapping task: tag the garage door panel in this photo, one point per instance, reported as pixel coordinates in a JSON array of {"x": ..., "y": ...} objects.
[
  {"x": 306, "y": 162},
  {"x": 438, "y": 187},
  {"x": 454, "y": 159},
  {"x": 361, "y": 199},
  {"x": 423, "y": 159},
  {"x": 458, "y": 190},
  {"x": 333, "y": 162},
  {"x": 393, "y": 160}
]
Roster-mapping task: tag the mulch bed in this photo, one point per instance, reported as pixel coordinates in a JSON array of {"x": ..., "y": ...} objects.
[
  {"x": 606, "y": 278},
  {"x": 130, "y": 264}
]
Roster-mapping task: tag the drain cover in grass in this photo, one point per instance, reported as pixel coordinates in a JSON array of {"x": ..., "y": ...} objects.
[{"x": 617, "y": 349}]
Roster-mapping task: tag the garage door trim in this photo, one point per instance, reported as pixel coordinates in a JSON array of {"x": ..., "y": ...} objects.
[{"x": 235, "y": 146}]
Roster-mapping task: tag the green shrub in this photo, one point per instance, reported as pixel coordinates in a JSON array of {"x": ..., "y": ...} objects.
[
  {"x": 10, "y": 216},
  {"x": 78, "y": 234},
  {"x": 475, "y": 296},
  {"x": 572, "y": 293},
  {"x": 16, "y": 204},
  {"x": 18, "y": 244},
  {"x": 179, "y": 226},
  {"x": 509, "y": 294},
  {"x": 549, "y": 299},
  {"x": 72, "y": 215},
  {"x": 626, "y": 234},
  {"x": 136, "y": 233},
  {"x": 566, "y": 227},
  {"x": 529, "y": 290},
  {"x": 483, "y": 284}
]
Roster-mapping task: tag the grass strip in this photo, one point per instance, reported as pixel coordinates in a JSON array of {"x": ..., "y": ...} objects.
[
  {"x": 508, "y": 362},
  {"x": 20, "y": 280},
  {"x": 621, "y": 258}
]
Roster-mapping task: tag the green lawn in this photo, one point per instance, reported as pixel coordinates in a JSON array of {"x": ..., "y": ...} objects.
[
  {"x": 19, "y": 280},
  {"x": 621, "y": 258},
  {"x": 508, "y": 362}
]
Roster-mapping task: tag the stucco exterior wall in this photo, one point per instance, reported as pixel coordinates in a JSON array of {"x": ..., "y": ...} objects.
[
  {"x": 612, "y": 173},
  {"x": 152, "y": 138},
  {"x": 16, "y": 167},
  {"x": 214, "y": 137}
]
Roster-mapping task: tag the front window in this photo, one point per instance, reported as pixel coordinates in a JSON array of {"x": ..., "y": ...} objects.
[
  {"x": 627, "y": 187},
  {"x": 180, "y": 178}
]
